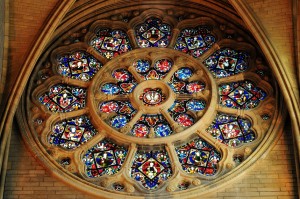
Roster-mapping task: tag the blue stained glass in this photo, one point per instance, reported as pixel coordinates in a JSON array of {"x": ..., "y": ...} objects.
[
  {"x": 64, "y": 98},
  {"x": 158, "y": 71},
  {"x": 71, "y": 133},
  {"x": 110, "y": 89},
  {"x": 227, "y": 62},
  {"x": 179, "y": 82},
  {"x": 195, "y": 41},
  {"x": 183, "y": 73},
  {"x": 195, "y": 105},
  {"x": 78, "y": 65},
  {"x": 118, "y": 121},
  {"x": 159, "y": 124},
  {"x": 240, "y": 95},
  {"x": 199, "y": 157},
  {"x": 151, "y": 168},
  {"x": 153, "y": 33},
  {"x": 141, "y": 66},
  {"x": 111, "y": 43},
  {"x": 105, "y": 158},
  {"x": 162, "y": 130},
  {"x": 231, "y": 130},
  {"x": 126, "y": 83}
]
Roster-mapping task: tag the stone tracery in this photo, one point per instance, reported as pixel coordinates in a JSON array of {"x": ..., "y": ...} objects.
[{"x": 162, "y": 93}]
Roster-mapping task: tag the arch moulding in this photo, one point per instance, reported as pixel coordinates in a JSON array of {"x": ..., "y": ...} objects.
[{"x": 62, "y": 9}]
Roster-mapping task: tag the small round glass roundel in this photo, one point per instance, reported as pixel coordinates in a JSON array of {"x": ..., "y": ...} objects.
[
  {"x": 140, "y": 130},
  {"x": 163, "y": 65},
  {"x": 118, "y": 121},
  {"x": 110, "y": 89},
  {"x": 195, "y": 105},
  {"x": 141, "y": 66},
  {"x": 195, "y": 86},
  {"x": 162, "y": 130},
  {"x": 185, "y": 120},
  {"x": 183, "y": 73},
  {"x": 152, "y": 97},
  {"x": 121, "y": 75},
  {"x": 109, "y": 107}
]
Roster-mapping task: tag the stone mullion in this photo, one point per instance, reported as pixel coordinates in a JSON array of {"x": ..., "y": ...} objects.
[
  {"x": 171, "y": 121},
  {"x": 135, "y": 74},
  {"x": 132, "y": 149},
  {"x": 97, "y": 55},
  {"x": 167, "y": 78},
  {"x": 104, "y": 97},
  {"x": 207, "y": 53},
  {"x": 133, "y": 121}
]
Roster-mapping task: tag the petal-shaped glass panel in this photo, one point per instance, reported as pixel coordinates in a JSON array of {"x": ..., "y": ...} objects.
[
  {"x": 126, "y": 83},
  {"x": 157, "y": 122},
  {"x": 180, "y": 84},
  {"x": 195, "y": 105},
  {"x": 105, "y": 158},
  {"x": 227, "y": 62},
  {"x": 111, "y": 43},
  {"x": 78, "y": 65},
  {"x": 110, "y": 89},
  {"x": 231, "y": 130},
  {"x": 141, "y": 66},
  {"x": 195, "y": 41},
  {"x": 123, "y": 109},
  {"x": 64, "y": 98},
  {"x": 184, "y": 120},
  {"x": 199, "y": 157},
  {"x": 158, "y": 71},
  {"x": 183, "y": 73},
  {"x": 151, "y": 168},
  {"x": 71, "y": 133},
  {"x": 240, "y": 95},
  {"x": 180, "y": 108},
  {"x": 153, "y": 33},
  {"x": 152, "y": 97}
]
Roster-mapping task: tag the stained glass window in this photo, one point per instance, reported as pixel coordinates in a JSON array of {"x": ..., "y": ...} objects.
[
  {"x": 151, "y": 168},
  {"x": 180, "y": 82},
  {"x": 71, "y": 133},
  {"x": 78, "y": 65},
  {"x": 153, "y": 33},
  {"x": 231, "y": 130},
  {"x": 125, "y": 85},
  {"x": 227, "y": 62},
  {"x": 195, "y": 41},
  {"x": 240, "y": 95},
  {"x": 156, "y": 119},
  {"x": 157, "y": 122},
  {"x": 148, "y": 72},
  {"x": 152, "y": 97},
  {"x": 111, "y": 43},
  {"x": 198, "y": 157},
  {"x": 123, "y": 109},
  {"x": 105, "y": 158},
  {"x": 180, "y": 108},
  {"x": 64, "y": 98}
]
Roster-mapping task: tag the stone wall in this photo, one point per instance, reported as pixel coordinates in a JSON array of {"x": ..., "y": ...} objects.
[{"x": 2, "y": 25}]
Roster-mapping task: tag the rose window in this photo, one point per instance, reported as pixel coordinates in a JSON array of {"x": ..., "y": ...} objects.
[{"x": 139, "y": 108}]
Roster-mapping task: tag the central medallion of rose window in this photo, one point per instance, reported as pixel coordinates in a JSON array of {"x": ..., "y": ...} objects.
[{"x": 151, "y": 97}]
